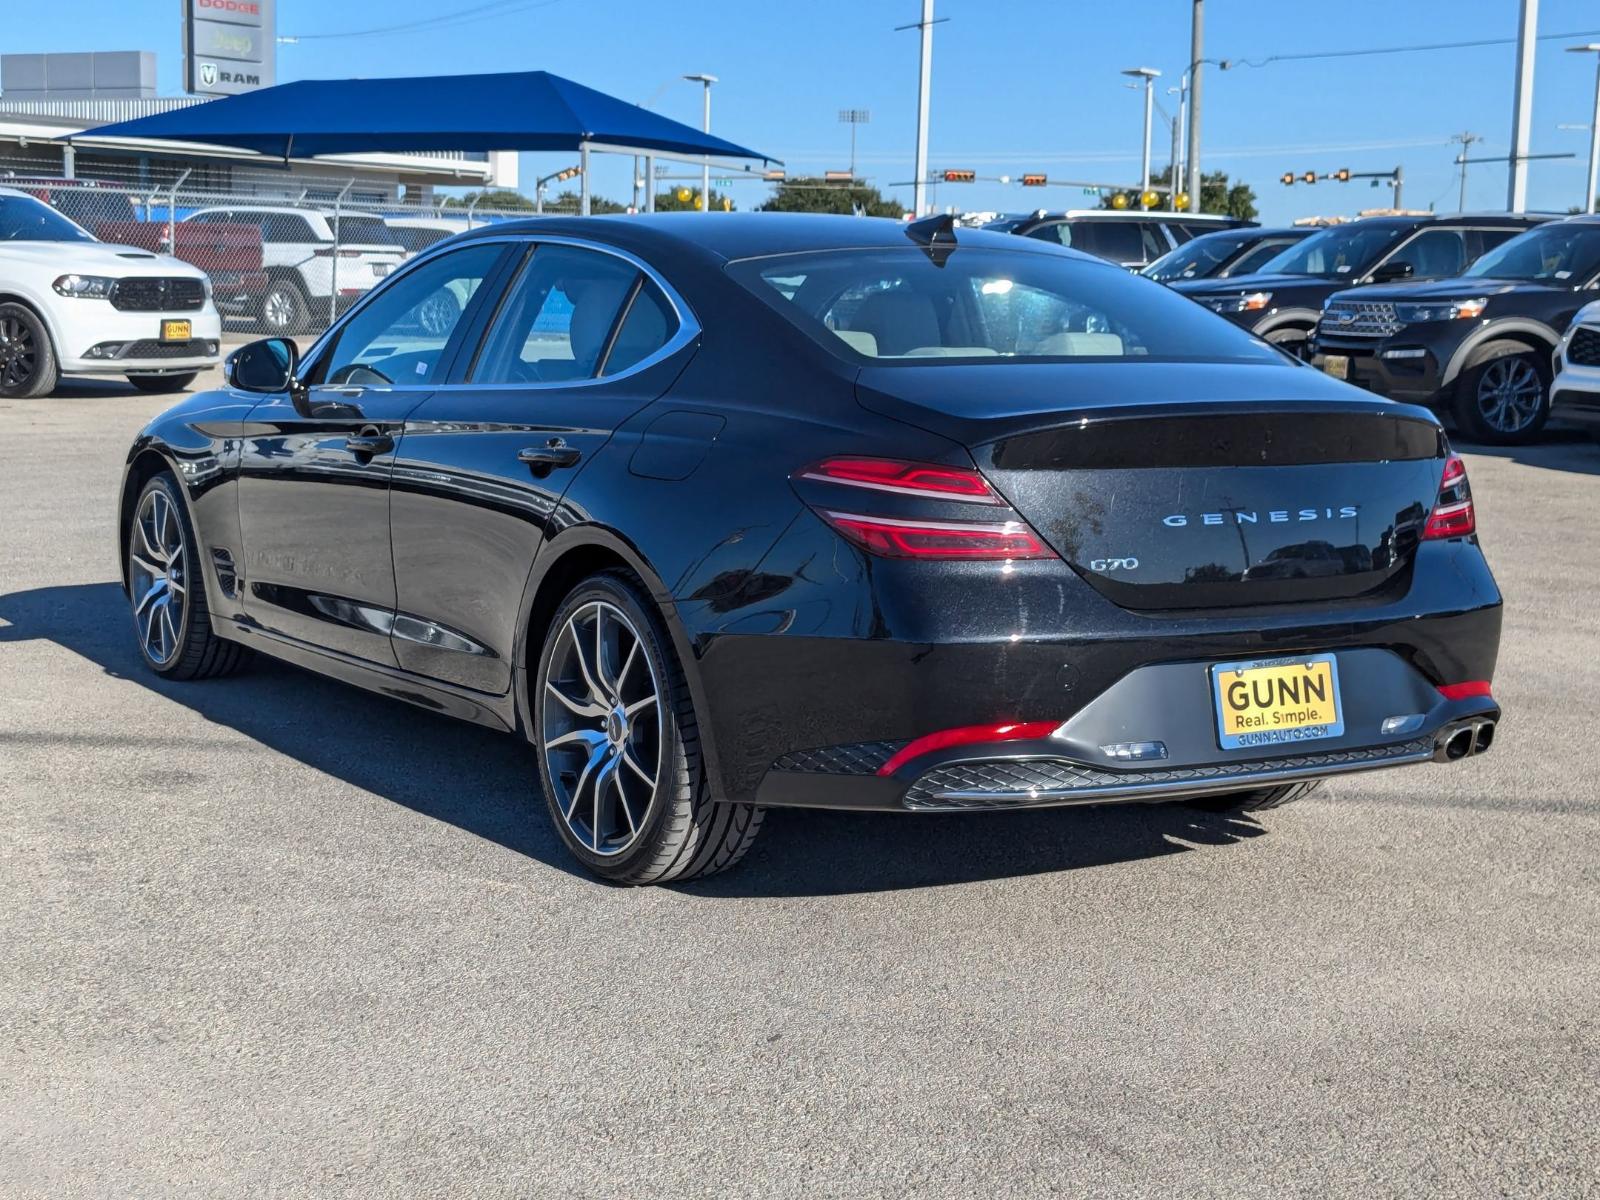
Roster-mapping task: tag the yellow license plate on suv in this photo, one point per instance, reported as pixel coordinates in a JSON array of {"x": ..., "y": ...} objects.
[
  {"x": 176, "y": 331},
  {"x": 1271, "y": 701}
]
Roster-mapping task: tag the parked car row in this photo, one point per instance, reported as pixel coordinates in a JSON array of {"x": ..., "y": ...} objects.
[{"x": 1475, "y": 316}]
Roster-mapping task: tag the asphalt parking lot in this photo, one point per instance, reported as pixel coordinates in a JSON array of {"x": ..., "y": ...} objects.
[{"x": 276, "y": 936}]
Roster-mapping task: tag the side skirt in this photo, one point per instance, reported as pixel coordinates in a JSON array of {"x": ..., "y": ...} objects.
[{"x": 495, "y": 712}]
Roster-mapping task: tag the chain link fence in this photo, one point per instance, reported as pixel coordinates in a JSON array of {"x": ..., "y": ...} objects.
[{"x": 285, "y": 252}]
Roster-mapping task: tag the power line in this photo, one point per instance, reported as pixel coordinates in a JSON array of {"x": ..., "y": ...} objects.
[
  {"x": 1230, "y": 64},
  {"x": 463, "y": 16}
]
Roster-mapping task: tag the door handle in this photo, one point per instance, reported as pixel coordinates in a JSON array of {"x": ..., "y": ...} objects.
[
  {"x": 369, "y": 443},
  {"x": 554, "y": 453}
]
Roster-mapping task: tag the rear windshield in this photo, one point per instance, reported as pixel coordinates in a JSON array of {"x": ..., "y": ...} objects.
[
  {"x": 887, "y": 305},
  {"x": 1554, "y": 253},
  {"x": 366, "y": 230},
  {"x": 1344, "y": 251}
]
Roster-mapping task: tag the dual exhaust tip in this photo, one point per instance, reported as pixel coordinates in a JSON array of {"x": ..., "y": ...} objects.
[{"x": 1456, "y": 742}]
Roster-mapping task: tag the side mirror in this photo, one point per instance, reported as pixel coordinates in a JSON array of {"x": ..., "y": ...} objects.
[
  {"x": 264, "y": 366},
  {"x": 1392, "y": 271}
]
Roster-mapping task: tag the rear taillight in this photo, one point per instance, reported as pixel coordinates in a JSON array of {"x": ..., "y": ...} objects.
[
  {"x": 1452, "y": 514},
  {"x": 894, "y": 537},
  {"x": 907, "y": 478}
]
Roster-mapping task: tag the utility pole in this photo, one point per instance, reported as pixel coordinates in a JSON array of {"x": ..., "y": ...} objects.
[
  {"x": 1172, "y": 162},
  {"x": 919, "y": 190},
  {"x": 1594, "y": 127},
  {"x": 1522, "y": 107},
  {"x": 1466, "y": 139},
  {"x": 1196, "y": 51}
]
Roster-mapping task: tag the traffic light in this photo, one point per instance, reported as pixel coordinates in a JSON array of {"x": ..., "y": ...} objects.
[
  {"x": 1033, "y": 181},
  {"x": 774, "y": 176},
  {"x": 569, "y": 173},
  {"x": 1342, "y": 174},
  {"x": 960, "y": 176},
  {"x": 1288, "y": 179},
  {"x": 1309, "y": 177}
]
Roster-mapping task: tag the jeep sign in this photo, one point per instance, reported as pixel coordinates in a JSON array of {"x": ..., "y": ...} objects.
[{"x": 229, "y": 46}]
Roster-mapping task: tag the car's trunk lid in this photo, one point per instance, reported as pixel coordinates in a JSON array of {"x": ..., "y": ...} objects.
[{"x": 1165, "y": 488}]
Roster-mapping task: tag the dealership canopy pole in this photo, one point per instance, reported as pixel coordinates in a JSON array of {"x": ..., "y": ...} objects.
[
  {"x": 583, "y": 178},
  {"x": 1522, "y": 107},
  {"x": 919, "y": 186},
  {"x": 1594, "y": 128},
  {"x": 649, "y": 183},
  {"x": 1197, "y": 34}
]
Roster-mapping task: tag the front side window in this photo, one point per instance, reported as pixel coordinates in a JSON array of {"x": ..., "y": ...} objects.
[
  {"x": 1560, "y": 252},
  {"x": 24, "y": 219},
  {"x": 400, "y": 335},
  {"x": 988, "y": 305},
  {"x": 1435, "y": 253},
  {"x": 557, "y": 320}
]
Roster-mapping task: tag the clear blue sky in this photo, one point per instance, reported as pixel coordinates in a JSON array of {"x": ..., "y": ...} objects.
[{"x": 1018, "y": 85}]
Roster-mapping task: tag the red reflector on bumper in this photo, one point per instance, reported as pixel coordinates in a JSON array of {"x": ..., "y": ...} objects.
[
  {"x": 967, "y": 735},
  {"x": 1464, "y": 691}
]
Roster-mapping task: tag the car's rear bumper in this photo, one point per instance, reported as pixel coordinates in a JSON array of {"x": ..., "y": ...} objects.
[{"x": 804, "y": 716}]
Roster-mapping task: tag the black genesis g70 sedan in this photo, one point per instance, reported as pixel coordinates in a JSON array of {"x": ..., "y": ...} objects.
[{"x": 725, "y": 512}]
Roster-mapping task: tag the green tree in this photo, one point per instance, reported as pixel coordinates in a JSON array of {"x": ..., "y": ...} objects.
[
  {"x": 668, "y": 201},
  {"x": 570, "y": 201},
  {"x": 501, "y": 198},
  {"x": 813, "y": 194}
]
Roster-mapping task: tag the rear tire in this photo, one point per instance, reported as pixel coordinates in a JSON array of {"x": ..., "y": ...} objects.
[
  {"x": 627, "y": 794},
  {"x": 1257, "y": 799},
  {"x": 27, "y": 358},
  {"x": 156, "y": 384},
  {"x": 171, "y": 623},
  {"x": 1504, "y": 398}
]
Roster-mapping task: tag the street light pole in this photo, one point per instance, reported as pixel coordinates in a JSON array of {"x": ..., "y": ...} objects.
[
  {"x": 1594, "y": 127},
  {"x": 1149, "y": 75},
  {"x": 1197, "y": 31},
  {"x": 705, "y": 167},
  {"x": 1522, "y": 107},
  {"x": 919, "y": 190}
]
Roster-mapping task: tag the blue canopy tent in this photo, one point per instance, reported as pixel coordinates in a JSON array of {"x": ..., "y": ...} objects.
[{"x": 523, "y": 110}]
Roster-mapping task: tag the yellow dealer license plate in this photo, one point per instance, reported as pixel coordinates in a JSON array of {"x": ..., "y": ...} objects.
[
  {"x": 1337, "y": 365},
  {"x": 1269, "y": 701},
  {"x": 176, "y": 331}
]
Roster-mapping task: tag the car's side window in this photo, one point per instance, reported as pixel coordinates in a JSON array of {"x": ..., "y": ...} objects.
[
  {"x": 1118, "y": 241},
  {"x": 400, "y": 335},
  {"x": 1434, "y": 254},
  {"x": 649, "y": 325},
  {"x": 555, "y": 324}
]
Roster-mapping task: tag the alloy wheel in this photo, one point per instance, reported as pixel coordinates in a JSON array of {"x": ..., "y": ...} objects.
[
  {"x": 279, "y": 309},
  {"x": 1510, "y": 393},
  {"x": 158, "y": 584},
  {"x": 601, "y": 727},
  {"x": 18, "y": 353}
]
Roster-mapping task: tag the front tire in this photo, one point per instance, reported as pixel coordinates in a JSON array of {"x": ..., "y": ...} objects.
[
  {"x": 171, "y": 622},
  {"x": 1504, "y": 398},
  {"x": 27, "y": 359},
  {"x": 618, "y": 744},
  {"x": 156, "y": 384}
]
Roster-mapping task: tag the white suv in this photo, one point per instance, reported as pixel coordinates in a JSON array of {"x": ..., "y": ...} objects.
[
  {"x": 1575, "y": 392},
  {"x": 303, "y": 267},
  {"x": 73, "y": 305}
]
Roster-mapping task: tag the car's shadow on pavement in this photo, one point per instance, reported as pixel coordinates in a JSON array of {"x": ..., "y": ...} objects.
[{"x": 485, "y": 783}]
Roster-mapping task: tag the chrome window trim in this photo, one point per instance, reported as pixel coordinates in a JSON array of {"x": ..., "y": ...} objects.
[{"x": 689, "y": 327}]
